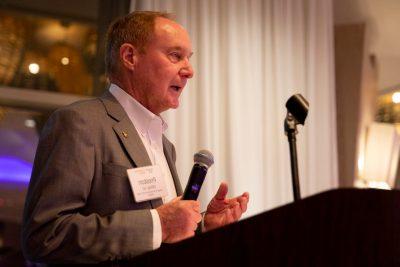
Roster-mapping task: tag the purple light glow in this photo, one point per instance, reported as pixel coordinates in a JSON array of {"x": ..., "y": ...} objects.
[{"x": 13, "y": 169}]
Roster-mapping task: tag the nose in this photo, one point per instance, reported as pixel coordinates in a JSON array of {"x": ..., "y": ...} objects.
[{"x": 187, "y": 70}]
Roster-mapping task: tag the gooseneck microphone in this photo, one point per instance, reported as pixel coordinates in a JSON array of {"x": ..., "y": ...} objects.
[
  {"x": 202, "y": 161},
  {"x": 297, "y": 110}
]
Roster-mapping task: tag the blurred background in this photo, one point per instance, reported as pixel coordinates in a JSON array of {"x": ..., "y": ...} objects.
[
  {"x": 51, "y": 54},
  {"x": 250, "y": 56}
]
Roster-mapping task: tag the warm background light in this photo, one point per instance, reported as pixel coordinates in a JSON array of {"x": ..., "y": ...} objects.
[
  {"x": 34, "y": 68},
  {"x": 396, "y": 97},
  {"x": 65, "y": 61},
  {"x": 30, "y": 123},
  {"x": 378, "y": 164}
]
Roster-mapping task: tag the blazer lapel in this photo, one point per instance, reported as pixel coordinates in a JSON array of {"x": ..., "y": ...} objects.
[
  {"x": 171, "y": 165},
  {"x": 128, "y": 136},
  {"x": 126, "y": 131},
  {"x": 131, "y": 141}
]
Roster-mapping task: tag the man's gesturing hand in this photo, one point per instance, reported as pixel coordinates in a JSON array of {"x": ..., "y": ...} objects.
[
  {"x": 222, "y": 211},
  {"x": 179, "y": 219}
]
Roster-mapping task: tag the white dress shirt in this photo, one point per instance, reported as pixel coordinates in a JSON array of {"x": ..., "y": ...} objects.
[{"x": 150, "y": 128}]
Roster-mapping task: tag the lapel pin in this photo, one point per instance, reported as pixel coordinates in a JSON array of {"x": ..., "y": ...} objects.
[{"x": 125, "y": 134}]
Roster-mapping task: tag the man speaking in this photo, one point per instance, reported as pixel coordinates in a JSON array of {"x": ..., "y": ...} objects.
[{"x": 80, "y": 206}]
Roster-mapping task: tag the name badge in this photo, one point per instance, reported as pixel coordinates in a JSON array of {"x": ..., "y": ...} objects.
[{"x": 147, "y": 183}]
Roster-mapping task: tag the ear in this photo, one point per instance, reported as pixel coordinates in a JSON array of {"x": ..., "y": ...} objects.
[{"x": 128, "y": 55}]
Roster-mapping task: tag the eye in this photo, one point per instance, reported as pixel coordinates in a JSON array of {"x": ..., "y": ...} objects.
[{"x": 175, "y": 56}]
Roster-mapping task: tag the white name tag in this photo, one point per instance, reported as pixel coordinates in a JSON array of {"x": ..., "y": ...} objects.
[{"x": 147, "y": 183}]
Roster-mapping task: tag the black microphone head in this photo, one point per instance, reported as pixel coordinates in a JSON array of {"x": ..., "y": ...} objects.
[
  {"x": 297, "y": 105},
  {"x": 204, "y": 157}
]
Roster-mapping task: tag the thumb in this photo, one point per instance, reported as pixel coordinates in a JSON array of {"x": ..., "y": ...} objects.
[
  {"x": 222, "y": 191},
  {"x": 176, "y": 199}
]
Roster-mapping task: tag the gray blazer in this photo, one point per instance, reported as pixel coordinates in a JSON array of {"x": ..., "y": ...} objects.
[{"x": 79, "y": 206}]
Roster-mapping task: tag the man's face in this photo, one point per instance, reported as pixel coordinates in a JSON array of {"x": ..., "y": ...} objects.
[{"x": 163, "y": 69}]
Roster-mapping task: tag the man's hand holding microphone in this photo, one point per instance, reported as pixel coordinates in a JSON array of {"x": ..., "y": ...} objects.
[{"x": 180, "y": 217}]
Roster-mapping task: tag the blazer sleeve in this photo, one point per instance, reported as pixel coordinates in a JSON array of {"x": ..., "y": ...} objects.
[{"x": 53, "y": 228}]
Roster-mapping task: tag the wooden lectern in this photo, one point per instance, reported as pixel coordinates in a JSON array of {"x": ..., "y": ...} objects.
[{"x": 344, "y": 227}]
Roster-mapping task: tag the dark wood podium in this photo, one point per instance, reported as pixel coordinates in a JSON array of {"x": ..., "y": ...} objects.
[{"x": 344, "y": 227}]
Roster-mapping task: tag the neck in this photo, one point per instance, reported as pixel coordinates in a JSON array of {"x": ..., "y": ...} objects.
[{"x": 129, "y": 88}]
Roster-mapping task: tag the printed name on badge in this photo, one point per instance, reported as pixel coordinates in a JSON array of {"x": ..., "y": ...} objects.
[{"x": 147, "y": 183}]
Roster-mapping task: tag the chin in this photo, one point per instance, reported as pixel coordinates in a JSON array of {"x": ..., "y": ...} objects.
[
  {"x": 174, "y": 104},
  {"x": 168, "y": 108},
  {"x": 173, "y": 107}
]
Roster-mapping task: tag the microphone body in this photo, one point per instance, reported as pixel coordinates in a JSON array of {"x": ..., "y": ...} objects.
[{"x": 202, "y": 161}]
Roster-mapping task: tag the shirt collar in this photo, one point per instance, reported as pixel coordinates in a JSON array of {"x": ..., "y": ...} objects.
[{"x": 143, "y": 119}]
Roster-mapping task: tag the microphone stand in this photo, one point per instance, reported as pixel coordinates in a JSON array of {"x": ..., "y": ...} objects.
[{"x": 291, "y": 131}]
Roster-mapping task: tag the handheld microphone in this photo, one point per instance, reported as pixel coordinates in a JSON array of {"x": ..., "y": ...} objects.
[{"x": 202, "y": 161}]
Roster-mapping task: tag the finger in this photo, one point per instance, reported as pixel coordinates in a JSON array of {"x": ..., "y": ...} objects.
[
  {"x": 229, "y": 216},
  {"x": 190, "y": 234},
  {"x": 195, "y": 205},
  {"x": 191, "y": 204},
  {"x": 233, "y": 201},
  {"x": 191, "y": 227},
  {"x": 243, "y": 203},
  {"x": 186, "y": 235},
  {"x": 176, "y": 199},
  {"x": 242, "y": 200},
  {"x": 246, "y": 195},
  {"x": 194, "y": 226},
  {"x": 236, "y": 212},
  {"x": 222, "y": 191},
  {"x": 195, "y": 217},
  {"x": 216, "y": 205}
]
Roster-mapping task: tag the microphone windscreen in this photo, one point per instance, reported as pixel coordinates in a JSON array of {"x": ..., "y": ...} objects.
[
  {"x": 204, "y": 157},
  {"x": 298, "y": 106}
]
